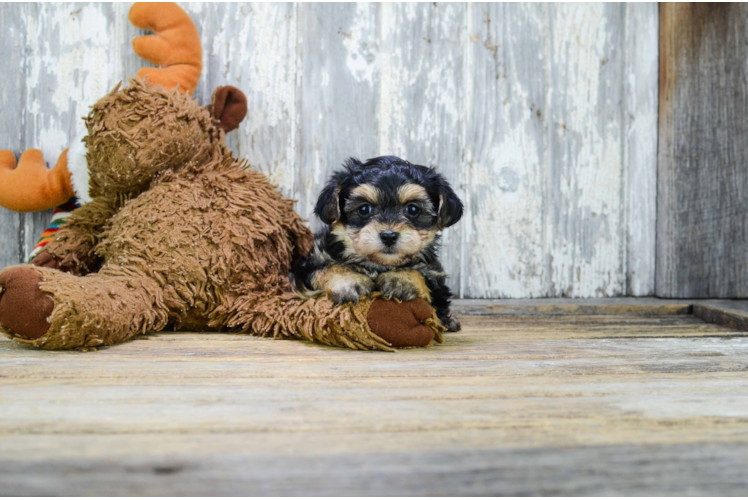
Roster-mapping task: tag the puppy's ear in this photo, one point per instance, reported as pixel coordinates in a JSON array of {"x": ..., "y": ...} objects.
[
  {"x": 328, "y": 203},
  {"x": 229, "y": 107},
  {"x": 450, "y": 206},
  {"x": 353, "y": 164}
]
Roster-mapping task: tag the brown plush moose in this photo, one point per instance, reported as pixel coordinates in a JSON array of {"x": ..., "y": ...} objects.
[{"x": 174, "y": 231}]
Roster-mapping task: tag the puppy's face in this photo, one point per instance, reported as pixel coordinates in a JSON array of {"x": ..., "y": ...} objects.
[
  {"x": 387, "y": 224},
  {"x": 388, "y": 212}
]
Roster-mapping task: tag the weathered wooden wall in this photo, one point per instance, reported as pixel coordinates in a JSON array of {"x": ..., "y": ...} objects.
[
  {"x": 544, "y": 118},
  {"x": 702, "y": 245}
]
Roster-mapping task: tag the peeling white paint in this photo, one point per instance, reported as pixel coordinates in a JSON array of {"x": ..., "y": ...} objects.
[
  {"x": 640, "y": 112},
  {"x": 70, "y": 69},
  {"x": 422, "y": 106},
  {"x": 362, "y": 52},
  {"x": 252, "y": 46},
  {"x": 542, "y": 116}
]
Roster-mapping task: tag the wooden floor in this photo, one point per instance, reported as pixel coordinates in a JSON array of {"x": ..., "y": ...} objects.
[{"x": 561, "y": 402}]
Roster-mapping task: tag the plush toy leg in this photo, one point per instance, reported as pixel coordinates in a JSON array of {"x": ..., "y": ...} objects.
[
  {"x": 59, "y": 215},
  {"x": 370, "y": 324},
  {"x": 87, "y": 311},
  {"x": 54, "y": 310}
]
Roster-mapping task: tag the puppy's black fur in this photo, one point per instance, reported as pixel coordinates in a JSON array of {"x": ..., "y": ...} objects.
[{"x": 382, "y": 220}]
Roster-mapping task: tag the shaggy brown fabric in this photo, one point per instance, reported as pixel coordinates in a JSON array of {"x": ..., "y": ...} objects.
[
  {"x": 23, "y": 306},
  {"x": 140, "y": 131},
  {"x": 73, "y": 248},
  {"x": 182, "y": 234}
]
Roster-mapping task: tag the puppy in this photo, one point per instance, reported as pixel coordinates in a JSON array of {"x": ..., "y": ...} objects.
[{"x": 382, "y": 221}]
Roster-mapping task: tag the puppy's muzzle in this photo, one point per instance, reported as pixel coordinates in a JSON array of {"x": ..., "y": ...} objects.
[{"x": 389, "y": 237}]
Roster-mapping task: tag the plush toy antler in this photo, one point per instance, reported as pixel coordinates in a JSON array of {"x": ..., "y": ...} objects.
[
  {"x": 175, "y": 45},
  {"x": 31, "y": 187}
]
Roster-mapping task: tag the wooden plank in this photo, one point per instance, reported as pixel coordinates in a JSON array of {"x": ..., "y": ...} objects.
[
  {"x": 70, "y": 63},
  {"x": 253, "y": 47},
  {"x": 702, "y": 180},
  {"x": 506, "y": 151},
  {"x": 499, "y": 373},
  {"x": 12, "y": 47},
  {"x": 692, "y": 469},
  {"x": 729, "y": 313},
  {"x": 640, "y": 83},
  {"x": 337, "y": 93},
  {"x": 512, "y": 405},
  {"x": 121, "y": 38},
  {"x": 556, "y": 307},
  {"x": 487, "y": 339},
  {"x": 554, "y": 162},
  {"x": 422, "y": 106},
  {"x": 583, "y": 233},
  {"x": 486, "y": 89},
  {"x": 725, "y": 315}
]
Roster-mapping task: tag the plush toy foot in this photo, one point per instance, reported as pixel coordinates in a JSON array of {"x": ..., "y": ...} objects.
[
  {"x": 24, "y": 307},
  {"x": 400, "y": 323}
]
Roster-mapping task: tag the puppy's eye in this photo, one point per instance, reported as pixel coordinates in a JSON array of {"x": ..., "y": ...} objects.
[
  {"x": 364, "y": 210},
  {"x": 412, "y": 210}
]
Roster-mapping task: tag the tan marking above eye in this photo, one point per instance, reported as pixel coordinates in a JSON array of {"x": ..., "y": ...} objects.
[
  {"x": 367, "y": 192},
  {"x": 411, "y": 192}
]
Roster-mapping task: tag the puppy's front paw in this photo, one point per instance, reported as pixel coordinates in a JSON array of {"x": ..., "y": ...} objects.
[
  {"x": 451, "y": 323},
  {"x": 403, "y": 285},
  {"x": 392, "y": 287},
  {"x": 342, "y": 284},
  {"x": 348, "y": 291}
]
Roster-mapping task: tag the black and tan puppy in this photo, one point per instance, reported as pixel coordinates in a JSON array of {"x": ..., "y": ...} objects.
[{"x": 382, "y": 221}]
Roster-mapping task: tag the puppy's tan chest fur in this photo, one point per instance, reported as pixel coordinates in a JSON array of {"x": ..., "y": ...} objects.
[{"x": 343, "y": 284}]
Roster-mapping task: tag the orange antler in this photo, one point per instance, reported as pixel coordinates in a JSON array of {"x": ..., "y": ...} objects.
[
  {"x": 31, "y": 187},
  {"x": 175, "y": 45}
]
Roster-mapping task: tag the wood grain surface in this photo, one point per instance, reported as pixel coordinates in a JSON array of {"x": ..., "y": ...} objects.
[
  {"x": 702, "y": 217},
  {"x": 574, "y": 404},
  {"x": 543, "y": 118}
]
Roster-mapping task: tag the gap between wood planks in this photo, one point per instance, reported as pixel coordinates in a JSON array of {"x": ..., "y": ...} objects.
[{"x": 729, "y": 313}]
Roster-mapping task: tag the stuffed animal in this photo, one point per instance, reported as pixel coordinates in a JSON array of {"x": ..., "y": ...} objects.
[{"x": 172, "y": 231}]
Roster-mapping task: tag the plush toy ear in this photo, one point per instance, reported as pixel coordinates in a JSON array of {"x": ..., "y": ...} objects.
[
  {"x": 328, "y": 204},
  {"x": 450, "y": 206},
  {"x": 229, "y": 107}
]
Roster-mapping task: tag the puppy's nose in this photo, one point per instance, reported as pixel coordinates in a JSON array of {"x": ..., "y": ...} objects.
[{"x": 388, "y": 237}]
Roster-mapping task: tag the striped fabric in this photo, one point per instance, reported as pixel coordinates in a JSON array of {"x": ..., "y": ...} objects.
[{"x": 58, "y": 218}]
